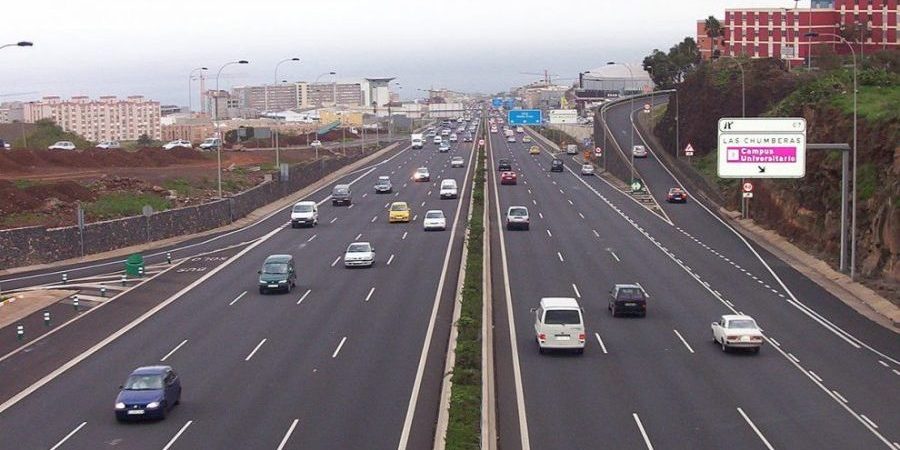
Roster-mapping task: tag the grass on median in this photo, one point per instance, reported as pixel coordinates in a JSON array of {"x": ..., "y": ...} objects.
[
  {"x": 122, "y": 204},
  {"x": 464, "y": 427}
]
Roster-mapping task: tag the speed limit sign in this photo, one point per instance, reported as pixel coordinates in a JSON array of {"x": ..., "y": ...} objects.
[
  {"x": 748, "y": 187},
  {"x": 598, "y": 152},
  {"x": 481, "y": 142}
]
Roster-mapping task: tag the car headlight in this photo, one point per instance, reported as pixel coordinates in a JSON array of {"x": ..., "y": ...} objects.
[
  {"x": 282, "y": 282},
  {"x": 120, "y": 405},
  {"x": 152, "y": 405}
]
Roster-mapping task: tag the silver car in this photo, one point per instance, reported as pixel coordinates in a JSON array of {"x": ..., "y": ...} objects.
[
  {"x": 639, "y": 151},
  {"x": 457, "y": 161},
  {"x": 359, "y": 254}
]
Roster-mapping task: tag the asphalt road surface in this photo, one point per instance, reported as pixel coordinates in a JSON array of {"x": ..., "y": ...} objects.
[
  {"x": 352, "y": 358},
  {"x": 825, "y": 378}
]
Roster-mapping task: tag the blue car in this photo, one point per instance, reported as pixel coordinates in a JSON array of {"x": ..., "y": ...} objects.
[{"x": 148, "y": 393}]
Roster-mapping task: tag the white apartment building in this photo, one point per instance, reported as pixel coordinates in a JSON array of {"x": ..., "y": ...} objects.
[{"x": 103, "y": 119}]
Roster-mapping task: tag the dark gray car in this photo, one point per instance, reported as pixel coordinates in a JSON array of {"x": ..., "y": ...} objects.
[{"x": 341, "y": 195}]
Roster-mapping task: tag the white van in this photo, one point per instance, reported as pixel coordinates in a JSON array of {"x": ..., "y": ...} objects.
[
  {"x": 448, "y": 188},
  {"x": 304, "y": 213},
  {"x": 559, "y": 325}
]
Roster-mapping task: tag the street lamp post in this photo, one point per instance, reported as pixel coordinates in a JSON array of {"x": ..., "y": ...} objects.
[
  {"x": 18, "y": 44},
  {"x": 317, "y": 90},
  {"x": 853, "y": 194},
  {"x": 631, "y": 74},
  {"x": 276, "y": 77},
  {"x": 216, "y": 122},
  {"x": 191, "y": 77}
]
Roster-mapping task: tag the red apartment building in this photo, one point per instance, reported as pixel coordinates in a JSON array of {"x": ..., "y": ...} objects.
[{"x": 781, "y": 32}]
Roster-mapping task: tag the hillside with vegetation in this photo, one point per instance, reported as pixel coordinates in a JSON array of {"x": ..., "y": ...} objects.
[{"x": 807, "y": 210}]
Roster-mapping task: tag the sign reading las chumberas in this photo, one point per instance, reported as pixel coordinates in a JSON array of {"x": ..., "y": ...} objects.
[{"x": 762, "y": 147}]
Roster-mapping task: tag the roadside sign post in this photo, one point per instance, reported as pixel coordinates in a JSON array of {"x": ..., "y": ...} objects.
[
  {"x": 646, "y": 108},
  {"x": 746, "y": 195},
  {"x": 637, "y": 185},
  {"x": 689, "y": 151},
  {"x": 20, "y": 332},
  {"x": 47, "y": 319}
]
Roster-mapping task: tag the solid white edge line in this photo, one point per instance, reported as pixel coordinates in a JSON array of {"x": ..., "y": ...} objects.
[
  {"x": 517, "y": 370},
  {"x": 288, "y": 434},
  {"x": 255, "y": 349},
  {"x": 238, "y": 298},
  {"x": 827, "y": 324},
  {"x": 600, "y": 341},
  {"x": 66, "y": 438},
  {"x": 369, "y": 295},
  {"x": 839, "y": 396},
  {"x": 868, "y": 420},
  {"x": 173, "y": 350},
  {"x": 143, "y": 317},
  {"x": 303, "y": 297},
  {"x": 640, "y": 426},
  {"x": 178, "y": 435},
  {"x": 683, "y": 341},
  {"x": 755, "y": 429},
  {"x": 426, "y": 345},
  {"x": 338, "y": 349}
]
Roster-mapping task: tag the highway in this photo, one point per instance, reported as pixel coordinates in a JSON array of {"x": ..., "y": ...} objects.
[
  {"x": 826, "y": 377},
  {"x": 352, "y": 358}
]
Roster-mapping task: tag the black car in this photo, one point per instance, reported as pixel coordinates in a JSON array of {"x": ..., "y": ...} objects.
[
  {"x": 504, "y": 165},
  {"x": 627, "y": 299},
  {"x": 277, "y": 274},
  {"x": 341, "y": 195},
  {"x": 556, "y": 165}
]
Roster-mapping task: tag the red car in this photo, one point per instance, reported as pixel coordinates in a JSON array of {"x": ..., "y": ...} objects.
[
  {"x": 507, "y": 178},
  {"x": 676, "y": 195}
]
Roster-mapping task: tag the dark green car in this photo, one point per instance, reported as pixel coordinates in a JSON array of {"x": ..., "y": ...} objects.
[{"x": 277, "y": 274}]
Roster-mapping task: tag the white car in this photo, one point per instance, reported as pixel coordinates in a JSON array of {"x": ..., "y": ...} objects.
[
  {"x": 587, "y": 169},
  {"x": 178, "y": 143},
  {"x": 62, "y": 145},
  {"x": 639, "y": 151},
  {"x": 109, "y": 145},
  {"x": 422, "y": 174},
  {"x": 445, "y": 132},
  {"x": 559, "y": 325},
  {"x": 520, "y": 130},
  {"x": 457, "y": 161},
  {"x": 453, "y": 137},
  {"x": 434, "y": 220},
  {"x": 359, "y": 254},
  {"x": 517, "y": 217},
  {"x": 736, "y": 331},
  {"x": 315, "y": 143},
  {"x": 304, "y": 213},
  {"x": 449, "y": 189},
  {"x": 437, "y": 140},
  {"x": 210, "y": 144}
]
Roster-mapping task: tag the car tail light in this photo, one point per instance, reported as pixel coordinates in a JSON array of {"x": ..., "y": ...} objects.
[
  {"x": 581, "y": 337},
  {"x": 542, "y": 337}
]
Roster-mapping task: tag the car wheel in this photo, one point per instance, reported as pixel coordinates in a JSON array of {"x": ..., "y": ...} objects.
[
  {"x": 162, "y": 411},
  {"x": 613, "y": 311},
  {"x": 644, "y": 314},
  {"x": 756, "y": 350},
  {"x": 262, "y": 291},
  {"x": 724, "y": 347},
  {"x": 579, "y": 351},
  {"x": 526, "y": 227},
  {"x": 293, "y": 225}
]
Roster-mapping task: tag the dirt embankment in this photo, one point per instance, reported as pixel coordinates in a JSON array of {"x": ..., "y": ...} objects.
[{"x": 806, "y": 211}]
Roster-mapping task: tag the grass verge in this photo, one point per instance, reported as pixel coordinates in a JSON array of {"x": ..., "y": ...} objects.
[
  {"x": 121, "y": 204},
  {"x": 464, "y": 427}
]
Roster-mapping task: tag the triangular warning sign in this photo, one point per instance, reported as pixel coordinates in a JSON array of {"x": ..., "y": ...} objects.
[{"x": 689, "y": 149}]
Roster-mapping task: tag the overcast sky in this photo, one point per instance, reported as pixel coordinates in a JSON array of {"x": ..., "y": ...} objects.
[{"x": 148, "y": 47}]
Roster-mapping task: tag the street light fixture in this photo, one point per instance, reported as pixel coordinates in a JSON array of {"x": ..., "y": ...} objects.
[
  {"x": 630, "y": 73},
  {"x": 18, "y": 44},
  {"x": 276, "y": 77},
  {"x": 216, "y": 121},
  {"x": 191, "y": 77},
  {"x": 853, "y": 194}
]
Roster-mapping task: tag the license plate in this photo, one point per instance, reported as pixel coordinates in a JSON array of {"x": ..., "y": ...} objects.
[
  {"x": 631, "y": 304},
  {"x": 563, "y": 338},
  {"x": 273, "y": 286},
  {"x": 745, "y": 338},
  {"x": 134, "y": 412}
]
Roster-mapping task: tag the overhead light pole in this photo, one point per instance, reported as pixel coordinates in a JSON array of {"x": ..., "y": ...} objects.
[
  {"x": 276, "y": 77},
  {"x": 191, "y": 77},
  {"x": 216, "y": 121},
  {"x": 18, "y": 44},
  {"x": 853, "y": 178},
  {"x": 631, "y": 74},
  {"x": 318, "y": 91}
]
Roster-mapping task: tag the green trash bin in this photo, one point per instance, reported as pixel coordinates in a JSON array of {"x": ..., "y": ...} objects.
[{"x": 134, "y": 265}]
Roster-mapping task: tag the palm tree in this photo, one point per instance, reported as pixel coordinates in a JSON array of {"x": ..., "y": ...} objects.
[{"x": 714, "y": 31}]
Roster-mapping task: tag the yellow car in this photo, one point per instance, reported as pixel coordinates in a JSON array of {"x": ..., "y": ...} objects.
[
  {"x": 534, "y": 150},
  {"x": 399, "y": 212}
]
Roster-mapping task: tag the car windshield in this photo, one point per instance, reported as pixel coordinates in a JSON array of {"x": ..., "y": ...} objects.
[
  {"x": 144, "y": 382},
  {"x": 630, "y": 294},
  {"x": 741, "y": 323},
  {"x": 562, "y": 317},
  {"x": 557, "y": 162},
  {"x": 422, "y": 170},
  {"x": 275, "y": 268},
  {"x": 303, "y": 208},
  {"x": 434, "y": 215},
  {"x": 399, "y": 207},
  {"x": 358, "y": 248},
  {"x": 518, "y": 212}
]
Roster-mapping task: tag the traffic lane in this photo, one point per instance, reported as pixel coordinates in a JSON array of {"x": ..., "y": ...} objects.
[
  {"x": 186, "y": 248},
  {"x": 824, "y": 345},
  {"x": 246, "y": 269},
  {"x": 594, "y": 271}
]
